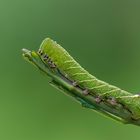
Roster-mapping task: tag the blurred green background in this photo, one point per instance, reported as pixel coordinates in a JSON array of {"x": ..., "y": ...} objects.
[{"x": 103, "y": 36}]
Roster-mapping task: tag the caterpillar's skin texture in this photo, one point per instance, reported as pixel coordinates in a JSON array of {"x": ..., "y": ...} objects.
[
  {"x": 68, "y": 76},
  {"x": 65, "y": 63}
]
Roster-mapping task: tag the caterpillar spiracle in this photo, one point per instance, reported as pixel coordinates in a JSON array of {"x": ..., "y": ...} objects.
[{"x": 58, "y": 59}]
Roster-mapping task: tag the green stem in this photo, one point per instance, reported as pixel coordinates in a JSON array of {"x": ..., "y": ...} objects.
[{"x": 89, "y": 101}]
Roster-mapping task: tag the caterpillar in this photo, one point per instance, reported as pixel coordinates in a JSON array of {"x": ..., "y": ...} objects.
[{"x": 107, "y": 98}]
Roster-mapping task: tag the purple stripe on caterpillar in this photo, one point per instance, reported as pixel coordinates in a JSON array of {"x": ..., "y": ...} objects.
[
  {"x": 45, "y": 57},
  {"x": 52, "y": 65},
  {"x": 98, "y": 99},
  {"x": 112, "y": 101},
  {"x": 74, "y": 83},
  {"x": 86, "y": 92},
  {"x": 40, "y": 52}
]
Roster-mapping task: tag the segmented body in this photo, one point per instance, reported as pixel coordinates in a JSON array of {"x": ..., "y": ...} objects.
[
  {"x": 75, "y": 72},
  {"x": 60, "y": 58}
]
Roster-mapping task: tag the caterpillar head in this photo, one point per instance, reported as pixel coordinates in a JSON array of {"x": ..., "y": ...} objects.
[
  {"x": 54, "y": 51},
  {"x": 47, "y": 46}
]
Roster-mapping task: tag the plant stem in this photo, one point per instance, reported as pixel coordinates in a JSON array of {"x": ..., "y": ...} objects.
[{"x": 89, "y": 101}]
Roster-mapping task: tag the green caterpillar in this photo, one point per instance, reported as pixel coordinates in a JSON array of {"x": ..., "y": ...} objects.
[
  {"x": 74, "y": 71},
  {"x": 107, "y": 98}
]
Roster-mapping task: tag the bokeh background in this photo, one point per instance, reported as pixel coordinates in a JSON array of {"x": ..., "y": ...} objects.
[{"x": 102, "y": 35}]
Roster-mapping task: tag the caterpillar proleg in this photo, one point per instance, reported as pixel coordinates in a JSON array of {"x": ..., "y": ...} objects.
[{"x": 68, "y": 76}]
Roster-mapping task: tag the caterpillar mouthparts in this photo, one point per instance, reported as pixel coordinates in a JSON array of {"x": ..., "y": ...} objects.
[{"x": 68, "y": 76}]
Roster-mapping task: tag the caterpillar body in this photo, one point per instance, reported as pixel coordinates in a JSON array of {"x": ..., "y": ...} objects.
[
  {"x": 105, "y": 96},
  {"x": 104, "y": 91}
]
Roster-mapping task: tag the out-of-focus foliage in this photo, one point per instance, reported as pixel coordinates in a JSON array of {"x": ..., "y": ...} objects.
[{"x": 103, "y": 36}]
